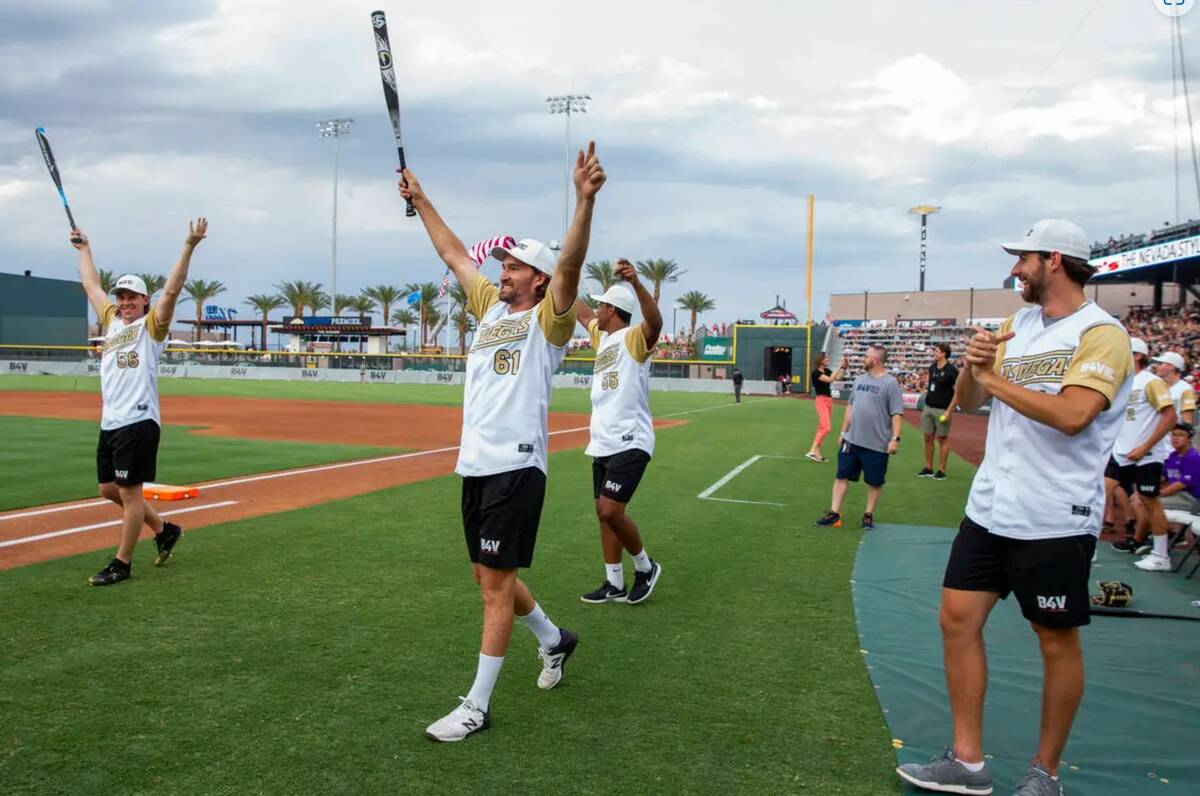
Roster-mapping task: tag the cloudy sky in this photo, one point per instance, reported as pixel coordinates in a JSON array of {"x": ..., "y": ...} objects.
[{"x": 714, "y": 121}]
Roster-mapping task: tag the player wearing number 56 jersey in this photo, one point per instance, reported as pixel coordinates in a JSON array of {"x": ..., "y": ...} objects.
[
  {"x": 523, "y": 331},
  {"x": 622, "y": 431},
  {"x": 134, "y": 337}
]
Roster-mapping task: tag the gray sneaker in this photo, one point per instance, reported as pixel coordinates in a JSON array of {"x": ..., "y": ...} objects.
[
  {"x": 945, "y": 774},
  {"x": 1038, "y": 782}
]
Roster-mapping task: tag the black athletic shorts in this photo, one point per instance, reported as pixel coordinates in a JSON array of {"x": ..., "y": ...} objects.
[
  {"x": 500, "y": 516},
  {"x": 854, "y": 460},
  {"x": 1049, "y": 576},
  {"x": 617, "y": 476},
  {"x": 128, "y": 455},
  {"x": 1144, "y": 477}
]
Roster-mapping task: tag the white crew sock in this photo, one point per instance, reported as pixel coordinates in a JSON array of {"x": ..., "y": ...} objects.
[
  {"x": 1160, "y": 546},
  {"x": 974, "y": 768},
  {"x": 548, "y": 634},
  {"x": 615, "y": 573},
  {"x": 641, "y": 562},
  {"x": 485, "y": 680}
]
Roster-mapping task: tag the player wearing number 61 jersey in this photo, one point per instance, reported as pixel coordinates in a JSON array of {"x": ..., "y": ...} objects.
[
  {"x": 524, "y": 328},
  {"x": 622, "y": 430},
  {"x": 134, "y": 337}
]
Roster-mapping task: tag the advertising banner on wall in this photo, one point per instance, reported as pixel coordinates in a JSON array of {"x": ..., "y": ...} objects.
[{"x": 716, "y": 348}]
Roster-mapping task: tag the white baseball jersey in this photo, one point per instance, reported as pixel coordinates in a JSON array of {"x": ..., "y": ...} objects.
[
  {"x": 509, "y": 368},
  {"x": 129, "y": 367},
  {"x": 620, "y": 392},
  {"x": 1148, "y": 395},
  {"x": 1184, "y": 398},
  {"x": 1036, "y": 482}
]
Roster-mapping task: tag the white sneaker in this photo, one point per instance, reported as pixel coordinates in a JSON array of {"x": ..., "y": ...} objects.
[
  {"x": 555, "y": 660},
  {"x": 1154, "y": 563},
  {"x": 459, "y": 723}
]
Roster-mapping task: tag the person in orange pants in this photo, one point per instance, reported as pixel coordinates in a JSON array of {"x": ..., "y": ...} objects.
[{"x": 822, "y": 380}]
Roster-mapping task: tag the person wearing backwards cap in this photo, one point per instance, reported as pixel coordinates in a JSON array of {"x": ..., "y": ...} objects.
[
  {"x": 523, "y": 331},
  {"x": 1138, "y": 456},
  {"x": 134, "y": 335},
  {"x": 1169, "y": 367},
  {"x": 1058, "y": 374},
  {"x": 622, "y": 431}
]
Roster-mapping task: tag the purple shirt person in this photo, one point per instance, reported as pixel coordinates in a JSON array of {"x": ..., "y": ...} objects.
[{"x": 1182, "y": 472}]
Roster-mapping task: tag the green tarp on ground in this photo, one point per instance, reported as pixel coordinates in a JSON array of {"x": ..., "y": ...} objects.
[{"x": 1138, "y": 730}]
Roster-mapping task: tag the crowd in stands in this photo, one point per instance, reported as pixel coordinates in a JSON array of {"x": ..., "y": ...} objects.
[
  {"x": 1164, "y": 234},
  {"x": 910, "y": 350},
  {"x": 1169, "y": 329}
]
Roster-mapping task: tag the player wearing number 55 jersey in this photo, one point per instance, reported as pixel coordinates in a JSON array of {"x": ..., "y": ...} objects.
[
  {"x": 524, "y": 328},
  {"x": 622, "y": 430},
  {"x": 134, "y": 337}
]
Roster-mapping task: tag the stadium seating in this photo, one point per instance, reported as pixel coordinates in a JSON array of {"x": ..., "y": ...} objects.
[{"x": 910, "y": 350}]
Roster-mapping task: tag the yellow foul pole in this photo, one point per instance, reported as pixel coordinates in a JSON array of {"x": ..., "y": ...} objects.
[{"x": 808, "y": 335}]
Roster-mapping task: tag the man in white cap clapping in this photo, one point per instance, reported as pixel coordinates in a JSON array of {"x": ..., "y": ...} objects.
[{"x": 1169, "y": 367}]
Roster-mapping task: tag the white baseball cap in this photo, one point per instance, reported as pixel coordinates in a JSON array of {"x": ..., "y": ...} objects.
[
  {"x": 1053, "y": 235},
  {"x": 531, "y": 252},
  {"x": 620, "y": 296},
  {"x": 1139, "y": 346},
  {"x": 131, "y": 282},
  {"x": 1170, "y": 358}
]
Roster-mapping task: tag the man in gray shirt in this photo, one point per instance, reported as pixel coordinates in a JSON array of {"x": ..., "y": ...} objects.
[{"x": 870, "y": 433}]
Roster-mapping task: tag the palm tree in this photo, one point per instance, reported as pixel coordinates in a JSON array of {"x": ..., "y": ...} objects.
[
  {"x": 601, "y": 272},
  {"x": 108, "y": 280},
  {"x": 264, "y": 303},
  {"x": 200, "y": 291},
  {"x": 429, "y": 315},
  {"x": 300, "y": 295},
  {"x": 404, "y": 318},
  {"x": 658, "y": 272},
  {"x": 344, "y": 301},
  {"x": 361, "y": 304},
  {"x": 385, "y": 296},
  {"x": 464, "y": 322},
  {"x": 697, "y": 302},
  {"x": 154, "y": 282}
]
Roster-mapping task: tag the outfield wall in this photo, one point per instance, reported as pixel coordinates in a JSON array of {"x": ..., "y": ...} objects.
[{"x": 190, "y": 370}]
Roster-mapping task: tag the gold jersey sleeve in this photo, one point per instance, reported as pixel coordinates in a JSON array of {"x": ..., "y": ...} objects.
[
  {"x": 107, "y": 313},
  {"x": 1187, "y": 401},
  {"x": 1158, "y": 395},
  {"x": 157, "y": 326},
  {"x": 557, "y": 328},
  {"x": 1005, "y": 328},
  {"x": 1103, "y": 361},
  {"x": 594, "y": 333},
  {"x": 635, "y": 341},
  {"x": 481, "y": 294}
]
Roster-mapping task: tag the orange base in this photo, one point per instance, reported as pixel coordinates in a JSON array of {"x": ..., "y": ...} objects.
[{"x": 167, "y": 492}]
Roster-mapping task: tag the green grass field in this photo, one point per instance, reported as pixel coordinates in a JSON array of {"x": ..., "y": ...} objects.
[
  {"x": 307, "y": 651},
  {"x": 32, "y": 477}
]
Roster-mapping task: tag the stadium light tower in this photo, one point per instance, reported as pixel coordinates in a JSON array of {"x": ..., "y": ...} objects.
[
  {"x": 924, "y": 211},
  {"x": 567, "y": 104},
  {"x": 335, "y": 129}
]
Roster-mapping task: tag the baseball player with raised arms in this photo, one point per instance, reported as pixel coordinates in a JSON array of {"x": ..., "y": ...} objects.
[
  {"x": 524, "y": 328},
  {"x": 135, "y": 335},
  {"x": 622, "y": 430},
  {"x": 1059, "y": 375}
]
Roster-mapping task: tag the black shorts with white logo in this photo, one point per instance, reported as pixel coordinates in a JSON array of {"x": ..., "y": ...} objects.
[
  {"x": 128, "y": 455},
  {"x": 500, "y": 515},
  {"x": 617, "y": 476},
  {"x": 1145, "y": 478},
  {"x": 1049, "y": 576}
]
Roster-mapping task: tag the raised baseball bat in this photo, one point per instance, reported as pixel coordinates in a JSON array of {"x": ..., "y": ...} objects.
[
  {"x": 387, "y": 74},
  {"x": 1104, "y": 611},
  {"x": 48, "y": 156}
]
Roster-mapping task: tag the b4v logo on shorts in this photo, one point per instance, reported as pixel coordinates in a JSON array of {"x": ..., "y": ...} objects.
[
  {"x": 1053, "y": 603},
  {"x": 612, "y": 486},
  {"x": 491, "y": 546},
  {"x": 121, "y": 473}
]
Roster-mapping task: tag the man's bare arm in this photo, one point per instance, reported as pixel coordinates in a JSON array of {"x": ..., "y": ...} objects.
[
  {"x": 589, "y": 177},
  {"x": 89, "y": 277},
  {"x": 165, "y": 309},
  {"x": 447, "y": 245}
]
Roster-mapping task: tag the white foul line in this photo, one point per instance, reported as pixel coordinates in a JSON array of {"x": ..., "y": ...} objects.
[
  {"x": 729, "y": 476},
  {"x": 94, "y": 526},
  {"x": 327, "y": 467}
]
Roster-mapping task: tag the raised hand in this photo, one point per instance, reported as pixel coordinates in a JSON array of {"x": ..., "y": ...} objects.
[
  {"x": 589, "y": 174},
  {"x": 410, "y": 189},
  {"x": 197, "y": 231},
  {"x": 981, "y": 350},
  {"x": 626, "y": 271},
  {"x": 78, "y": 239}
]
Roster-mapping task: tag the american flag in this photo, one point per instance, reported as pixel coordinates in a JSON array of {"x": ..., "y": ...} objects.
[
  {"x": 445, "y": 284},
  {"x": 483, "y": 250}
]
